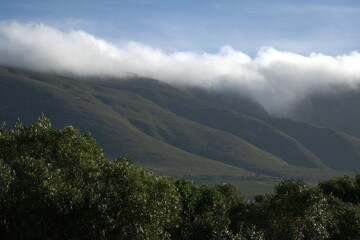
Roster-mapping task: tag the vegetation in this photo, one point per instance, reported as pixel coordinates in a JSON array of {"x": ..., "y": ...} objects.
[
  {"x": 57, "y": 184},
  {"x": 337, "y": 110},
  {"x": 215, "y": 136}
]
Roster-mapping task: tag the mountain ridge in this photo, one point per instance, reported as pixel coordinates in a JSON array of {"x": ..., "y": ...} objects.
[{"x": 177, "y": 131}]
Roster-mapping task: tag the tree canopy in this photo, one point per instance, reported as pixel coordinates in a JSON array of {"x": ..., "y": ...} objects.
[{"x": 58, "y": 184}]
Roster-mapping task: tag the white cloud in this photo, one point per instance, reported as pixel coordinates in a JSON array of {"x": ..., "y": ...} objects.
[{"x": 275, "y": 78}]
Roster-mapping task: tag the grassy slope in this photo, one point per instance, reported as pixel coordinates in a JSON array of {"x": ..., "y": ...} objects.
[
  {"x": 110, "y": 103},
  {"x": 126, "y": 118},
  {"x": 335, "y": 149},
  {"x": 187, "y": 135},
  {"x": 339, "y": 110},
  {"x": 255, "y": 132},
  {"x": 171, "y": 97},
  {"x": 223, "y": 114},
  {"x": 59, "y": 99}
]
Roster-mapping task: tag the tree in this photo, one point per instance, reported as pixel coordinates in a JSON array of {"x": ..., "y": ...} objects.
[
  {"x": 137, "y": 204},
  {"x": 57, "y": 184},
  {"x": 204, "y": 212},
  {"x": 345, "y": 188},
  {"x": 294, "y": 211}
]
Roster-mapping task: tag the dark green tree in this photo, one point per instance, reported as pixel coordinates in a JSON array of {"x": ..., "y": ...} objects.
[
  {"x": 57, "y": 184},
  {"x": 204, "y": 212},
  {"x": 345, "y": 188},
  {"x": 294, "y": 211}
]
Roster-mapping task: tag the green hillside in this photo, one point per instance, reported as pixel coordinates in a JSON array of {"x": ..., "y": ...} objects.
[
  {"x": 58, "y": 98},
  {"x": 336, "y": 149},
  {"x": 250, "y": 122},
  {"x": 338, "y": 110},
  {"x": 204, "y": 135},
  {"x": 255, "y": 132}
]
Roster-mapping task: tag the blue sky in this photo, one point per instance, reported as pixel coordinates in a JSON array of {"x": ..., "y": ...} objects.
[{"x": 329, "y": 27}]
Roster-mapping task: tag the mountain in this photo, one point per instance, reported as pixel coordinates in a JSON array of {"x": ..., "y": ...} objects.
[
  {"x": 209, "y": 136},
  {"x": 339, "y": 110},
  {"x": 336, "y": 149}
]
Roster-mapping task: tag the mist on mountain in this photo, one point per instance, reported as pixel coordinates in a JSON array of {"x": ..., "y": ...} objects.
[{"x": 277, "y": 79}]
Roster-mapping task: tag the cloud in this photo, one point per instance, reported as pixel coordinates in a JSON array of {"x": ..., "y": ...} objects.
[{"x": 276, "y": 79}]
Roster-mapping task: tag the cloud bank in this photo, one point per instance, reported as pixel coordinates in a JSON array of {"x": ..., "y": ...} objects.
[{"x": 276, "y": 79}]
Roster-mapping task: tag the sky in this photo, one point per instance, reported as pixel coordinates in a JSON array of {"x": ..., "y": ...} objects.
[
  {"x": 329, "y": 27},
  {"x": 277, "y": 52}
]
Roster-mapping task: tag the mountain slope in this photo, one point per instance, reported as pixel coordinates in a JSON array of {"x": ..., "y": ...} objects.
[
  {"x": 336, "y": 149},
  {"x": 258, "y": 129},
  {"x": 171, "y": 130},
  {"x": 338, "y": 110},
  {"x": 178, "y": 132},
  {"x": 187, "y": 135},
  {"x": 27, "y": 98},
  {"x": 255, "y": 132}
]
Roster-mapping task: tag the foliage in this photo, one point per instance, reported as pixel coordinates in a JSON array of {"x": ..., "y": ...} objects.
[
  {"x": 345, "y": 188},
  {"x": 204, "y": 212},
  {"x": 346, "y": 219},
  {"x": 57, "y": 184},
  {"x": 344, "y": 197},
  {"x": 294, "y": 211}
]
